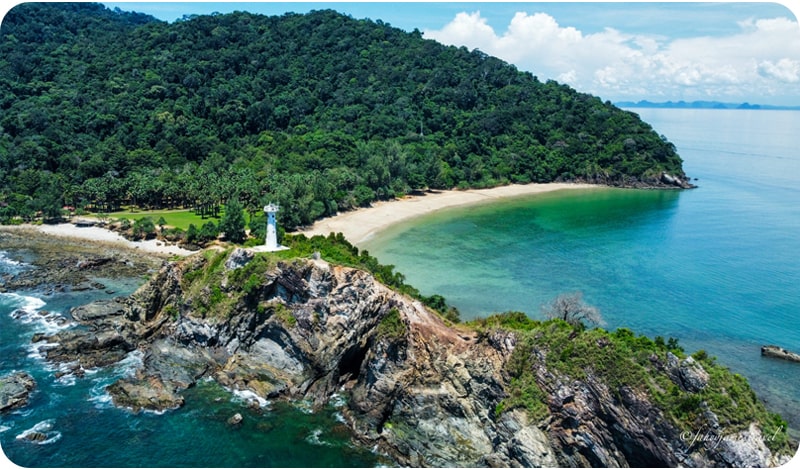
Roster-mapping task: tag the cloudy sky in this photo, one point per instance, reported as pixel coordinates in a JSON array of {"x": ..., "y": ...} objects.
[{"x": 733, "y": 52}]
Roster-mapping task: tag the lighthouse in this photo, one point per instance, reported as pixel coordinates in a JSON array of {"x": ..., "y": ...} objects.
[{"x": 272, "y": 230}]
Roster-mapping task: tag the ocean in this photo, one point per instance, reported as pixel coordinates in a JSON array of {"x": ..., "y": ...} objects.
[{"x": 715, "y": 267}]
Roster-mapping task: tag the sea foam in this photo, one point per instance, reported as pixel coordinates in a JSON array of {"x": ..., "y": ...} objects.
[
  {"x": 28, "y": 310},
  {"x": 249, "y": 396},
  {"x": 128, "y": 366},
  {"x": 46, "y": 428},
  {"x": 314, "y": 438},
  {"x": 10, "y": 265}
]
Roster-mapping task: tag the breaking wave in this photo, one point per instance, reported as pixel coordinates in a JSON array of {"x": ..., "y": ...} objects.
[{"x": 41, "y": 434}]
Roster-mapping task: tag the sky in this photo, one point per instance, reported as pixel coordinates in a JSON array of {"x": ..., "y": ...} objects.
[{"x": 730, "y": 52}]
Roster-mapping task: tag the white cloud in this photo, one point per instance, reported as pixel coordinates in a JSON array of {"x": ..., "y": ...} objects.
[
  {"x": 786, "y": 70},
  {"x": 761, "y": 60}
]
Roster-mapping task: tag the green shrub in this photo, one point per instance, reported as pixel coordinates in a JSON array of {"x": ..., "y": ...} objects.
[
  {"x": 285, "y": 314},
  {"x": 391, "y": 326},
  {"x": 144, "y": 228},
  {"x": 252, "y": 283}
]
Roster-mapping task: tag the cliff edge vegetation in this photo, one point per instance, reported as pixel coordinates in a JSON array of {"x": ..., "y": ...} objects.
[
  {"x": 501, "y": 391},
  {"x": 319, "y": 112}
]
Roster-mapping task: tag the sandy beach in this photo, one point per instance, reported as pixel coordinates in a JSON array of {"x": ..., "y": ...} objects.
[
  {"x": 360, "y": 225},
  {"x": 102, "y": 235}
]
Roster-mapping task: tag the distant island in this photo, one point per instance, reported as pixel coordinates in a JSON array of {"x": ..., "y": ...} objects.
[{"x": 703, "y": 105}]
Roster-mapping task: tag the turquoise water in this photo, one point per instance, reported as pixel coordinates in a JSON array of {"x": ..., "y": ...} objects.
[
  {"x": 716, "y": 267},
  {"x": 85, "y": 430}
]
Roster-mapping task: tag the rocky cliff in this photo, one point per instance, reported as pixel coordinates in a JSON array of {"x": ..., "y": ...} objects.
[{"x": 421, "y": 391}]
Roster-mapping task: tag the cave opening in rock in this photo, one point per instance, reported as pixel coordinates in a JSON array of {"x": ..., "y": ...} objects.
[{"x": 350, "y": 364}]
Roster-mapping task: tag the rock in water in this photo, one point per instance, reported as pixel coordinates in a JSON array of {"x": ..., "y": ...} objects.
[
  {"x": 15, "y": 390},
  {"x": 145, "y": 394},
  {"x": 235, "y": 419},
  {"x": 777, "y": 352},
  {"x": 36, "y": 436}
]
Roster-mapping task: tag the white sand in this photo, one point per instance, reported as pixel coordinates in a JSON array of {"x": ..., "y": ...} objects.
[
  {"x": 94, "y": 233},
  {"x": 360, "y": 225}
]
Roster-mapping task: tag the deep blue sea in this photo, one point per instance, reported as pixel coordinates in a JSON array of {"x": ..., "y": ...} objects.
[{"x": 717, "y": 267}]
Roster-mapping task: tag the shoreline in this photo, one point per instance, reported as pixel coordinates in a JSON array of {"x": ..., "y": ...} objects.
[
  {"x": 357, "y": 226},
  {"x": 362, "y": 224},
  {"x": 94, "y": 234}
]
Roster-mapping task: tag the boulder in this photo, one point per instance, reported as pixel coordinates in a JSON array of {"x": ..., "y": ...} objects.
[
  {"x": 101, "y": 310},
  {"x": 675, "y": 181},
  {"x": 694, "y": 377},
  {"x": 89, "y": 349},
  {"x": 149, "y": 393},
  {"x": 688, "y": 373},
  {"x": 176, "y": 365},
  {"x": 235, "y": 419},
  {"x": 15, "y": 390},
  {"x": 777, "y": 352},
  {"x": 238, "y": 258}
]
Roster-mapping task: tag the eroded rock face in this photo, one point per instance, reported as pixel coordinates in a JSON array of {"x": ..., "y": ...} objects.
[{"x": 426, "y": 395}]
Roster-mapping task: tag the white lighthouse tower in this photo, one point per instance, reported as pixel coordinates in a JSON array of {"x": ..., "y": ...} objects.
[{"x": 272, "y": 230}]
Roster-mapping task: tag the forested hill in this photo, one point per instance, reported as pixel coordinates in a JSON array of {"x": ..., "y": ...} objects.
[{"x": 319, "y": 112}]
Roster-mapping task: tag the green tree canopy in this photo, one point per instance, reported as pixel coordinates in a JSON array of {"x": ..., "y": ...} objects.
[
  {"x": 322, "y": 112},
  {"x": 233, "y": 223}
]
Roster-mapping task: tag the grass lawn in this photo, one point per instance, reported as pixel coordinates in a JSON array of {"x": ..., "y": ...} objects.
[{"x": 177, "y": 218}]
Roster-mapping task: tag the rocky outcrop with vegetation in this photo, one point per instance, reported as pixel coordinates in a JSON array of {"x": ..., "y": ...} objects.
[{"x": 505, "y": 391}]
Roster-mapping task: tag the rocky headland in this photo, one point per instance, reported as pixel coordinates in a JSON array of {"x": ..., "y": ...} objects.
[{"x": 423, "y": 392}]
